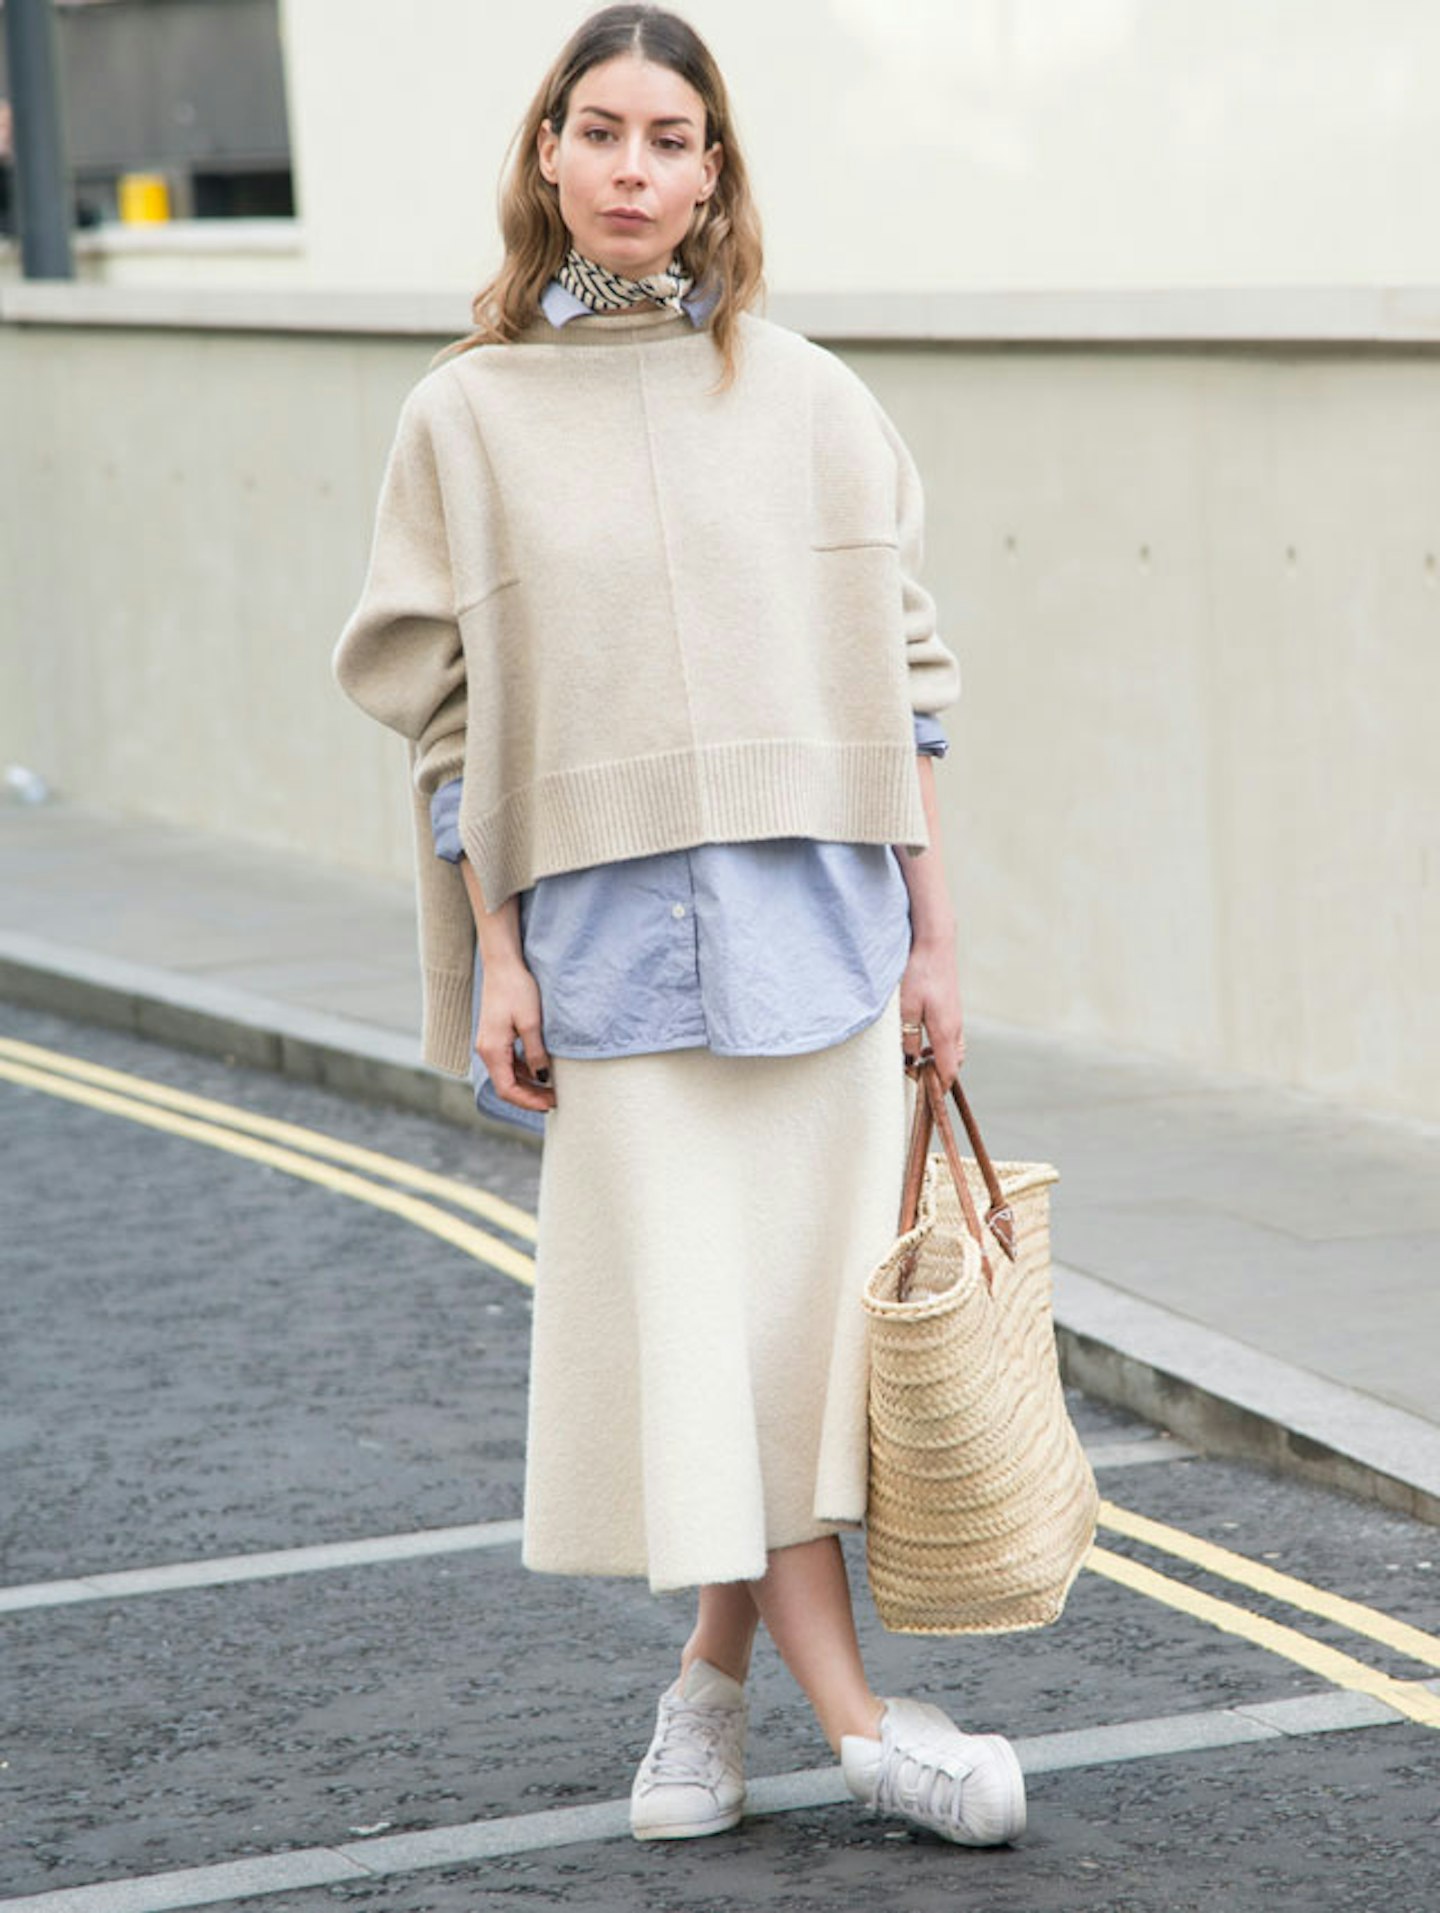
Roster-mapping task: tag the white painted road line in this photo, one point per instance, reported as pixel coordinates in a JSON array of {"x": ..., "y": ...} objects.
[
  {"x": 226, "y": 1569},
  {"x": 479, "y": 1840},
  {"x": 201, "y": 1886},
  {"x": 1137, "y": 1454}
]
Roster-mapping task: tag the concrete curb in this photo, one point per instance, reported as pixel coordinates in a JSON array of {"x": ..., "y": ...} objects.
[
  {"x": 1225, "y": 1397},
  {"x": 1211, "y": 1391},
  {"x": 310, "y": 1046}
]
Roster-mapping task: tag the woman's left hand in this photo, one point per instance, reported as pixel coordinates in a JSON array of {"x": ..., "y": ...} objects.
[{"x": 930, "y": 997}]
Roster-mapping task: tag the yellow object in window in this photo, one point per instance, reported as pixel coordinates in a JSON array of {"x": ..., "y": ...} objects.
[{"x": 144, "y": 199}]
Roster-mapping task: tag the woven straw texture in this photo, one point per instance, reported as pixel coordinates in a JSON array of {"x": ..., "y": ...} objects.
[{"x": 982, "y": 1503}]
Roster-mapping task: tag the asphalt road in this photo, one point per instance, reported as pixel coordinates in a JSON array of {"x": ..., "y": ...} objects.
[{"x": 209, "y": 1356}]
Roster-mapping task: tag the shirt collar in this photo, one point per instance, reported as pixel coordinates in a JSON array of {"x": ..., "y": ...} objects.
[{"x": 560, "y": 305}]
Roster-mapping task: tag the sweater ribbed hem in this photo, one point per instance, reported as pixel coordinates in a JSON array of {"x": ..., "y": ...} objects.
[
  {"x": 720, "y": 793},
  {"x": 447, "y": 1035}
]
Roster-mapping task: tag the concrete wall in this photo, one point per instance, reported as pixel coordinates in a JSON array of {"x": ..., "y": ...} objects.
[
  {"x": 925, "y": 145},
  {"x": 1193, "y": 805},
  {"x": 182, "y": 531},
  {"x": 1198, "y": 801},
  {"x": 928, "y": 145}
]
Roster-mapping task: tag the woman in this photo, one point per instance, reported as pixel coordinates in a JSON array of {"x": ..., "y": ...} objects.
[{"x": 642, "y": 600}]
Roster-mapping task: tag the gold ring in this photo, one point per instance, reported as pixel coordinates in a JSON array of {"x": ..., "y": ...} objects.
[{"x": 910, "y": 1029}]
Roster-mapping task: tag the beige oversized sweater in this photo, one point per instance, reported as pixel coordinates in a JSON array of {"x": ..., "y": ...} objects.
[{"x": 637, "y": 615}]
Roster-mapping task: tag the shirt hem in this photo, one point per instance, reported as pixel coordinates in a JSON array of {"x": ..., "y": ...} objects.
[{"x": 806, "y": 1046}]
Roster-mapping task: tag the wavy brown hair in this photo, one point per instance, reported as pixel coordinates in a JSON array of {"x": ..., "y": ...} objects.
[{"x": 721, "y": 252}]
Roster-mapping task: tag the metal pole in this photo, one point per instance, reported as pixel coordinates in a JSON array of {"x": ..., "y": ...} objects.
[{"x": 42, "y": 181}]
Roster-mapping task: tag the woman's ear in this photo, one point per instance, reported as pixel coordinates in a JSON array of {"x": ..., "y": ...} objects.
[
  {"x": 546, "y": 141},
  {"x": 713, "y": 161}
]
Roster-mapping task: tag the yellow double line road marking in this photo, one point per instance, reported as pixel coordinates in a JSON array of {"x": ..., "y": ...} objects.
[
  {"x": 296, "y": 1151},
  {"x": 1354, "y": 1615},
  {"x": 370, "y": 1176},
  {"x": 1410, "y": 1698}
]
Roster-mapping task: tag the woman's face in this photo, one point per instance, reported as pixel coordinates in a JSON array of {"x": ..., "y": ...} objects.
[{"x": 630, "y": 164}]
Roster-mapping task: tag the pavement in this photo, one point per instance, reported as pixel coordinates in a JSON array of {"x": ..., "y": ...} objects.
[
  {"x": 267, "y": 1636},
  {"x": 1251, "y": 1268}
]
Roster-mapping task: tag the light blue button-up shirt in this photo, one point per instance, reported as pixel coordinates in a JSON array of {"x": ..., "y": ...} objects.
[{"x": 750, "y": 949}]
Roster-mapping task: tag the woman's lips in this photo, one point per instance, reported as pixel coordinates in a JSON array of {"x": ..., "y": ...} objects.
[{"x": 627, "y": 218}]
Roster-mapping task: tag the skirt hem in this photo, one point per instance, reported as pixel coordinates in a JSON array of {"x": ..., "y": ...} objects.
[{"x": 720, "y": 1575}]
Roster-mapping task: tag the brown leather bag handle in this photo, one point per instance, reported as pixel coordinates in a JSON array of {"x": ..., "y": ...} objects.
[
  {"x": 921, "y": 1126},
  {"x": 1000, "y": 1216},
  {"x": 930, "y": 1115}
]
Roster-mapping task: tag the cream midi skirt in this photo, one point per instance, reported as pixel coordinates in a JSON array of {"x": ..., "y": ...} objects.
[{"x": 699, "y": 1364}]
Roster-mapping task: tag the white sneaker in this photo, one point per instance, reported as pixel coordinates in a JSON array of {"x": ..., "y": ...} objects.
[
  {"x": 692, "y": 1780},
  {"x": 965, "y": 1787}
]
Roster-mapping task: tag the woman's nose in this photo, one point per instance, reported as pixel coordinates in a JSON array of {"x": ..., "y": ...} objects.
[{"x": 630, "y": 161}]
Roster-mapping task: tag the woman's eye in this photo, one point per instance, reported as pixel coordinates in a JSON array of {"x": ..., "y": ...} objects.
[{"x": 670, "y": 143}]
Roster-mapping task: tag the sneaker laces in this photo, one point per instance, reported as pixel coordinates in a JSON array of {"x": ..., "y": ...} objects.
[
  {"x": 691, "y": 1741},
  {"x": 924, "y": 1780}
]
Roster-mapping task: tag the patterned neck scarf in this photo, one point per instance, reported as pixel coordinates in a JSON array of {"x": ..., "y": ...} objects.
[{"x": 605, "y": 291}]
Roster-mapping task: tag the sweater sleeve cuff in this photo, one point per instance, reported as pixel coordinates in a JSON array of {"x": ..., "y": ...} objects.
[{"x": 448, "y": 1033}]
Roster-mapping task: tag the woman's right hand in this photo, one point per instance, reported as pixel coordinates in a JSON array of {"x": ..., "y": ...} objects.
[
  {"x": 509, "y": 1003},
  {"x": 510, "y": 1008}
]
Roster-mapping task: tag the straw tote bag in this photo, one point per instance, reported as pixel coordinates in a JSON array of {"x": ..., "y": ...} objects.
[{"x": 982, "y": 1503}]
